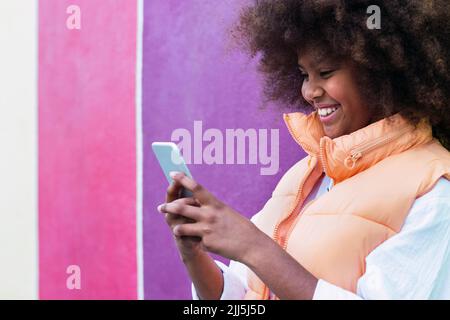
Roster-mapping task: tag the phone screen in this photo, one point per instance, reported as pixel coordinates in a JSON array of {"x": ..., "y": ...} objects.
[{"x": 170, "y": 159}]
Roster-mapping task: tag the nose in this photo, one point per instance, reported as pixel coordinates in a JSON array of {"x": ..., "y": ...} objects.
[{"x": 311, "y": 91}]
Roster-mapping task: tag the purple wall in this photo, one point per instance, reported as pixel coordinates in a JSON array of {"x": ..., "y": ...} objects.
[{"x": 190, "y": 75}]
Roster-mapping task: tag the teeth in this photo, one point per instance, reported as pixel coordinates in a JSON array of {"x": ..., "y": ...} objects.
[{"x": 323, "y": 112}]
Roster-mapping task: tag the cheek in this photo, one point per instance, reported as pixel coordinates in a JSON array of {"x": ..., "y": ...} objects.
[
  {"x": 345, "y": 92},
  {"x": 337, "y": 91}
]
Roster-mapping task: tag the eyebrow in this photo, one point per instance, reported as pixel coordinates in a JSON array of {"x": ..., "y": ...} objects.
[
  {"x": 318, "y": 61},
  {"x": 321, "y": 58},
  {"x": 315, "y": 63}
]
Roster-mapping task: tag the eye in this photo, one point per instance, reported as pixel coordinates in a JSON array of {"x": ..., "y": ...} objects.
[
  {"x": 327, "y": 73},
  {"x": 303, "y": 74}
]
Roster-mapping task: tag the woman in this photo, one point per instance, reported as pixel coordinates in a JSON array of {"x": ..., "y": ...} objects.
[{"x": 366, "y": 214}]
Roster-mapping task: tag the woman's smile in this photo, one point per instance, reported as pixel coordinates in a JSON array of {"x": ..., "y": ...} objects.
[{"x": 329, "y": 116}]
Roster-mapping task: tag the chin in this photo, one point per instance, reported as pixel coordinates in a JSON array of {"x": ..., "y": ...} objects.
[{"x": 332, "y": 135}]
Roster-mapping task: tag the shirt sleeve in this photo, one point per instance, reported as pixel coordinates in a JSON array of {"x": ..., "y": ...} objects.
[
  {"x": 413, "y": 264},
  {"x": 327, "y": 291},
  {"x": 234, "y": 281}
]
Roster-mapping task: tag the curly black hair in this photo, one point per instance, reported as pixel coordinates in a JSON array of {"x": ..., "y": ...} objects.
[{"x": 404, "y": 65}]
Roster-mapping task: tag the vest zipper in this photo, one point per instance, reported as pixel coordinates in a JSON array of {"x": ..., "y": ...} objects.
[
  {"x": 322, "y": 158},
  {"x": 299, "y": 201},
  {"x": 357, "y": 153},
  {"x": 287, "y": 220}
]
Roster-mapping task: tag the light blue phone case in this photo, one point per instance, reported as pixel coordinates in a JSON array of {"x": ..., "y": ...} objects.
[{"x": 170, "y": 159}]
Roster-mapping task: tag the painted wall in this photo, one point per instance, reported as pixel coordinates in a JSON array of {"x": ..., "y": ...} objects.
[
  {"x": 78, "y": 174},
  {"x": 18, "y": 142},
  {"x": 87, "y": 149},
  {"x": 191, "y": 74}
]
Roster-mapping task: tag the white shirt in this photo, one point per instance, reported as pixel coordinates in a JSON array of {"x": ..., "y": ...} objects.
[{"x": 413, "y": 264}]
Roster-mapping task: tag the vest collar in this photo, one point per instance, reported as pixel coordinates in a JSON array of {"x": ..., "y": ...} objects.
[{"x": 347, "y": 155}]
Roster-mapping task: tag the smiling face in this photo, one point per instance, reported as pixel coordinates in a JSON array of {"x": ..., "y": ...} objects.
[{"x": 330, "y": 85}]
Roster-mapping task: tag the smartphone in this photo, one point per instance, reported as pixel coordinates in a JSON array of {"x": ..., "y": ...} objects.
[{"x": 170, "y": 159}]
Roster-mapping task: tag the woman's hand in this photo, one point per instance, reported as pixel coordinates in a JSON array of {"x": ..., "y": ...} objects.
[
  {"x": 221, "y": 229},
  {"x": 188, "y": 247}
]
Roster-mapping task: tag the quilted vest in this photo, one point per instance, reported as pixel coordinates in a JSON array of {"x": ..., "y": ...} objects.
[{"x": 378, "y": 171}]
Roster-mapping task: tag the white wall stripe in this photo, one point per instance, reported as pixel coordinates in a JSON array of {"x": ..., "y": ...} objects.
[
  {"x": 36, "y": 141},
  {"x": 18, "y": 143},
  {"x": 139, "y": 146}
]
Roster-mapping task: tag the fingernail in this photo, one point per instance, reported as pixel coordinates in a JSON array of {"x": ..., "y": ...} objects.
[
  {"x": 159, "y": 208},
  {"x": 173, "y": 174}
]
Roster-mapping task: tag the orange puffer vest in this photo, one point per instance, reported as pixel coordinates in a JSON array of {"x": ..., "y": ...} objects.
[{"x": 378, "y": 172}]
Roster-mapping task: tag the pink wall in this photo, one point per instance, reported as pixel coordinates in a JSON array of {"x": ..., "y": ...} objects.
[{"x": 87, "y": 149}]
